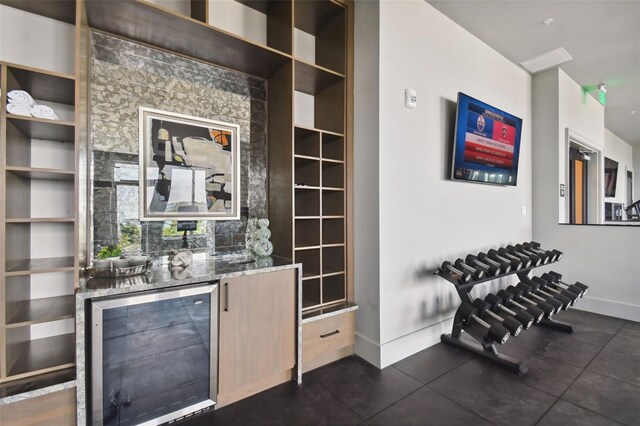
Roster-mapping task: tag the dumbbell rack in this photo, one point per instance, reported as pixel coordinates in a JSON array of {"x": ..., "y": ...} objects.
[{"x": 487, "y": 348}]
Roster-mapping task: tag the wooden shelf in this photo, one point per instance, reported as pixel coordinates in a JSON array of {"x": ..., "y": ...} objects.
[
  {"x": 41, "y": 84},
  {"x": 41, "y": 128},
  {"x": 43, "y": 310},
  {"x": 60, "y": 10},
  {"x": 307, "y": 157},
  {"x": 311, "y": 16},
  {"x": 162, "y": 28},
  {"x": 38, "y": 266},
  {"x": 313, "y": 79},
  {"x": 333, "y": 274},
  {"x": 42, "y": 355},
  {"x": 316, "y": 129},
  {"x": 37, "y": 173},
  {"x": 40, "y": 220}
]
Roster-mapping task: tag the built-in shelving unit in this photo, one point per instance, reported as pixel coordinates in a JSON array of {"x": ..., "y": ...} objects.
[{"x": 38, "y": 212}]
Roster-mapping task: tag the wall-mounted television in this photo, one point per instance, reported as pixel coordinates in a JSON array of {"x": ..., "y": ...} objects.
[
  {"x": 610, "y": 177},
  {"x": 486, "y": 143}
]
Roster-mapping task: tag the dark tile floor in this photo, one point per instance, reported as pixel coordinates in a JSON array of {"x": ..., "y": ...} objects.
[{"x": 589, "y": 378}]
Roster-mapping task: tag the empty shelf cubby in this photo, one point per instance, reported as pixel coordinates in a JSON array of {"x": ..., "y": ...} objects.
[
  {"x": 332, "y": 260},
  {"x": 333, "y": 288},
  {"x": 311, "y": 293},
  {"x": 307, "y": 233},
  {"x": 307, "y": 202},
  {"x": 307, "y": 142},
  {"x": 332, "y": 175},
  {"x": 307, "y": 172},
  {"x": 310, "y": 260},
  {"x": 332, "y": 147},
  {"x": 332, "y": 203},
  {"x": 332, "y": 231}
]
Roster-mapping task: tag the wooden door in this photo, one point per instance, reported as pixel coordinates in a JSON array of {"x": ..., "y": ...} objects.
[
  {"x": 578, "y": 188},
  {"x": 257, "y": 333}
]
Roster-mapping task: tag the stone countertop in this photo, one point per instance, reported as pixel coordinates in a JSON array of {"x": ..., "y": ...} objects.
[{"x": 201, "y": 270}]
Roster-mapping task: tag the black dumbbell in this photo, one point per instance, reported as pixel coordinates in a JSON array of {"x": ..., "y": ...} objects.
[
  {"x": 490, "y": 270},
  {"x": 578, "y": 284},
  {"x": 514, "y": 326},
  {"x": 551, "y": 279},
  {"x": 515, "y": 263},
  {"x": 504, "y": 265},
  {"x": 518, "y": 295},
  {"x": 477, "y": 273},
  {"x": 558, "y": 292},
  {"x": 447, "y": 268},
  {"x": 508, "y": 301},
  {"x": 526, "y": 262},
  {"x": 558, "y": 253},
  {"x": 496, "y": 305},
  {"x": 534, "y": 259},
  {"x": 550, "y": 255},
  {"x": 544, "y": 258},
  {"x": 530, "y": 292},
  {"x": 495, "y": 332}
]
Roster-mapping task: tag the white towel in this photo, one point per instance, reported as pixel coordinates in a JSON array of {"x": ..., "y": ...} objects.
[
  {"x": 43, "y": 111},
  {"x": 20, "y": 97},
  {"x": 18, "y": 109}
]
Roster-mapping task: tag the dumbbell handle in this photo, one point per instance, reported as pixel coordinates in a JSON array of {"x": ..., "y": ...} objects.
[
  {"x": 544, "y": 259},
  {"x": 454, "y": 270},
  {"x": 496, "y": 255},
  {"x": 507, "y": 310},
  {"x": 493, "y": 262},
  {"x": 487, "y": 269},
  {"x": 481, "y": 321},
  {"x": 495, "y": 316},
  {"x": 514, "y": 252},
  {"x": 477, "y": 273},
  {"x": 518, "y": 305}
]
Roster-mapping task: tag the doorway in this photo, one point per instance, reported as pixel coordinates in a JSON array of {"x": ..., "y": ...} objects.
[
  {"x": 578, "y": 187},
  {"x": 629, "y": 188}
]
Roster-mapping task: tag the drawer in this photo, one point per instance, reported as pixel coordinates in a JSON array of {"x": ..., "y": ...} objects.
[
  {"x": 53, "y": 409},
  {"x": 327, "y": 340}
]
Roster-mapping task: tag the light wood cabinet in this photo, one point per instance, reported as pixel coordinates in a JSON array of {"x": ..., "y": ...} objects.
[
  {"x": 57, "y": 408},
  {"x": 327, "y": 340},
  {"x": 257, "y": 344}
]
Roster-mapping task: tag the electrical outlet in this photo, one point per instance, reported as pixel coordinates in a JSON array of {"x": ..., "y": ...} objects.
[{"x": 524, "y": 210}]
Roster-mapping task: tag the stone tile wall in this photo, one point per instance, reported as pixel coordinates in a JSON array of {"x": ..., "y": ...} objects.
[{"x": 126, "y": 76}]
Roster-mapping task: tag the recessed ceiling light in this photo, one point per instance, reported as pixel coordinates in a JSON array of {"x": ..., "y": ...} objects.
[
  {"x": 546, "y": 60},
  {"x": 633, "y": 112},
  {"x": 548, "y": 22}
]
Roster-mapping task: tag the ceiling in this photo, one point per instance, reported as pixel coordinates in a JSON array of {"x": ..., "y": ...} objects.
[{"x": 603, "y": 37}]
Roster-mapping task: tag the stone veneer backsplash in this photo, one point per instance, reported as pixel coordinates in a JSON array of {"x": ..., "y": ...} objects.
[{"x": 126, "y": 76}]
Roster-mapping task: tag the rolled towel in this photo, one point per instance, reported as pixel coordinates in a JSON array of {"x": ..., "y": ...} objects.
[
  {"x": 20, "y": 97},
  {"x": 18, "y": 109},
  {"x": 43, "y": 111}
]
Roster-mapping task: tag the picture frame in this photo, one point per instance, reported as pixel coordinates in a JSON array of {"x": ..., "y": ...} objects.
[{"x": 189, "y": 167}]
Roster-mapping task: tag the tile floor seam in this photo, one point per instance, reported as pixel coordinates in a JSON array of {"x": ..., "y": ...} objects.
[
  {"x": 580, "y": 375},
  {"x": 438, "y": 376},
  {"x": 556, "y": 359},
  {"x": 338, "y": 397},
  {"x": 591, "y": 411},
  {"x": 393, "y": 403},
  {"x": 460, "y": 405}
]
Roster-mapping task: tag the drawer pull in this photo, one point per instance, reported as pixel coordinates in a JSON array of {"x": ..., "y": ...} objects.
[{"x": 333, "y": 333}]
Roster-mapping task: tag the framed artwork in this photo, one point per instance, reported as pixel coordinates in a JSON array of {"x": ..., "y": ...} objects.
[{"x": 189, "y": 167}]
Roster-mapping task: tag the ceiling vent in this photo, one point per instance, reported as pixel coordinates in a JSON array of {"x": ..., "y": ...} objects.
[{"x": 546, "y": 60}]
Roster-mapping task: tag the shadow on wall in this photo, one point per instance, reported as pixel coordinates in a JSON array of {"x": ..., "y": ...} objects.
[
  {"x": 445, "y": 300},
  {"x": 448, "y": 121}
]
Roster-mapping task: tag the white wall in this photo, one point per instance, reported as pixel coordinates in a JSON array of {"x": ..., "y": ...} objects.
[
  {"x": 36, "y": 41},
  {"x": 636, "y": 174},
  {"x": 620, "y": 151},
  {"x": 603, "y": 257},
  {"x": 239, "y": 19},
  {"x": 425, "y": 217},
  {"x": 366, "y": 179}
]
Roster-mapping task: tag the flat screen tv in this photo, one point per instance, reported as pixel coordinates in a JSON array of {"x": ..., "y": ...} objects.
[
  {"x": 486, "y": 143},
  {"x": 610, "y": 177}
]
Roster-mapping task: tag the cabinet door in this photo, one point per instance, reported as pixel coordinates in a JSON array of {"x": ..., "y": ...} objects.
[{"x": 257, "y": 333}]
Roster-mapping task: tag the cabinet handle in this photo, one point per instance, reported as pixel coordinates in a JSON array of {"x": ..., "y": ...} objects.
[
  {"x": 333, "y": 333},
  {"x": 226, "y": 297}
]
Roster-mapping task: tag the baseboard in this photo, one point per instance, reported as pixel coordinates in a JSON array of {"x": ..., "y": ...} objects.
[
  {"x": 407, "y": 345},
  {"x": 610, "y": 308},
  {"x": 368, "y": 350}
]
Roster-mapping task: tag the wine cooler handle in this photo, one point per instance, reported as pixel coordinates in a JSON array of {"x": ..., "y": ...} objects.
[{"x": 226, "y": 297}]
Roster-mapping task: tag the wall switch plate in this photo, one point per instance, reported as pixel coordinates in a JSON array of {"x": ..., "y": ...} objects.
[
  {"x": 562, "y": 190},
  {"x": 410, "y": 98},
  {"x": 524, "y": 210}
]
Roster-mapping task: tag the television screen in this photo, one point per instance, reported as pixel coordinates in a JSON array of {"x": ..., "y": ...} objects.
[
  {"x": 486, "y": 143},
  {"x": 610, "y": 177}
]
